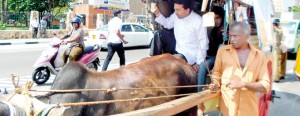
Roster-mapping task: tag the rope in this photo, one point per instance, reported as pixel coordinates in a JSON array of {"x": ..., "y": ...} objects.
[
  {"x": 25, "y": 91},
  {"x": 18, "y": 89},
  {"x": 125, "y": 100},
  {"x": 116, "y": 89},
  {"x": 121, "y": 100}
]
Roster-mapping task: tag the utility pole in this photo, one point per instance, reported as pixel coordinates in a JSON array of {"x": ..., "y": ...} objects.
[
  {"x": 50, "y": 12},
  {"x": 147, "y": 17},
  {"x": 6, "y": 10}
]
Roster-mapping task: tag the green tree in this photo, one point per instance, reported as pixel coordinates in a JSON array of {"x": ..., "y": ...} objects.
[
  {"x": 296, "y": 8},
  {"x": 3, "y": 10},
  {"x": 37, "y": 5},
  {"x": 41, "y": 6}
]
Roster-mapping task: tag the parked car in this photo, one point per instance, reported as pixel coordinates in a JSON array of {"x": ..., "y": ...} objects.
[
  {"x": 135, "y": 34},
  {"x": 292, "y": 38},
  {"x": 291, "y": 32}
]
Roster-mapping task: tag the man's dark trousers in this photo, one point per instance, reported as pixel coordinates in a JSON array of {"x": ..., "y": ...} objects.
[
  {"x": 35, "y": 31},
  {"x": 163, "y": 42},
  {"x": 111, "y": 49}
]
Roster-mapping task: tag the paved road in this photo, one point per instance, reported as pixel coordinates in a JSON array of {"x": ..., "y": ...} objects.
[{"x": 19, "y": 59}]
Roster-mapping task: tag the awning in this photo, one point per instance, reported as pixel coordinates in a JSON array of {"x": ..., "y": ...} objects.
[{"x": 111, "y": 4}]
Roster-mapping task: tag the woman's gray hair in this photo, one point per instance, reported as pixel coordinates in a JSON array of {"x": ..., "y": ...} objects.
[{"x": 244, "y": 26}]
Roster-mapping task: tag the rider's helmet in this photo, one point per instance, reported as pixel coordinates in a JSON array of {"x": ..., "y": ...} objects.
[
  {"x": 276, "y": 22},
  {"x": 76, "y": 20}
]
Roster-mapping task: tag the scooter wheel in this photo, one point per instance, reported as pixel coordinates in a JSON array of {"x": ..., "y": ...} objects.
[{"x": 41, "y": 75}]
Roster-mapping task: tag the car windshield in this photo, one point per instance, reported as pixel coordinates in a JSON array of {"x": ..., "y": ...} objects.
[
  {"x": 291, "y": 27},
  {"x": 103, "y": 28}
]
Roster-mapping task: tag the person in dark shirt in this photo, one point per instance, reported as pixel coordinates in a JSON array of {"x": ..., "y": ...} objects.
[{"x": 215, "y": 41}]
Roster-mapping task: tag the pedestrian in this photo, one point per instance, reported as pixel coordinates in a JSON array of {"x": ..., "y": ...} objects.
[
  {"x": 189, "y": 39},
  {"x": 115, "y": 41},
  {"x": 241, "y": 71},
  {"x": 279, "y": 51},
  {"x": 34, "y": 25},
  {"x": 215, "y": 41},
  {"x": 43, "y": 27},
  {"x": 76, "y": 41},
  {"x": 290, "y": 9}
]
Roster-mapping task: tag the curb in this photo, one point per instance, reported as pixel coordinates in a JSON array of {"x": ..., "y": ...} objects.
[{"x": 23, "y": 42}]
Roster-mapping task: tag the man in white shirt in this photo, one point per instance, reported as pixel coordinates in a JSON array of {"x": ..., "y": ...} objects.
[
  {"x": 34, "y": 25},
  {"x": 190, "y": 35},
  {"x": 43, "y": 27},
  {"x": 115, "y": 41}
]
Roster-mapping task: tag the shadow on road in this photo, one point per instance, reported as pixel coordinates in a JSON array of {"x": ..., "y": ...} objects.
[
  {"x": 46, "y": 84},
  {"x": 289, "y": 78},
  {"x": 130, "y": 48},
  {"x": 287, "y": 105}
]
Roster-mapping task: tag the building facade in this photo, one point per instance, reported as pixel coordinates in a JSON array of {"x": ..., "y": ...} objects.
[{"x": 90, "y": 8}]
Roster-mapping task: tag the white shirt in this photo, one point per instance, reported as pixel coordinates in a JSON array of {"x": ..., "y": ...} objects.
[
  {"x": 113, "y": 26},
  {"x": 35, "y": 23},
  {"x": 191, "y": 36}
]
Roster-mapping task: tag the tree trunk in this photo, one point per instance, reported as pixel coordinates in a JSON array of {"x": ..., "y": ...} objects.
[
  {"x": 2, "y": 11},
  {"x": 26, "y": 20},
  {"x": 4, "y": 8}
]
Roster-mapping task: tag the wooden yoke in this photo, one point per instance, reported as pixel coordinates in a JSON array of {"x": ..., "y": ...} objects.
[{"x": 176, "y": 106}]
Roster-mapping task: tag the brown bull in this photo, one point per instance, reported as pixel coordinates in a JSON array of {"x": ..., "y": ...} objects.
[{"x": 159, "y": 71}]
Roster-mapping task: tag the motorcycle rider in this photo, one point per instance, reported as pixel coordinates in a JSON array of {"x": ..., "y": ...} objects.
[{"x": 76, "y": 41}]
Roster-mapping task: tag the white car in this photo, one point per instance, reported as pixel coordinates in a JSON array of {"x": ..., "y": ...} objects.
[{"x": 135, "y": 35}]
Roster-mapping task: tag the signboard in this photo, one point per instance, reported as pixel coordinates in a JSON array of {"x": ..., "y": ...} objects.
[
  {"x": 286, "y": 16},
  {"x": 110, "y": 4}
]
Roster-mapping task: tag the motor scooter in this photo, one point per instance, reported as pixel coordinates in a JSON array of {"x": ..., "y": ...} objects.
[{"x": 51, "y": 61}]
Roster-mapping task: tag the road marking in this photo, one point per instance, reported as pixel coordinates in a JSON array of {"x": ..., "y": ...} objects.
[
  {"x": 6, "y": 82},
  {"x": 22, "y": 48}
]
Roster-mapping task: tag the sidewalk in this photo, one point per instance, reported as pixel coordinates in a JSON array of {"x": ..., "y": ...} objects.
[{"x": 24, "y": 41}]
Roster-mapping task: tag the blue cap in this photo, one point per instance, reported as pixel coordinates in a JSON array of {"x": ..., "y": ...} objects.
[{"x": 117, "y": 12}]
